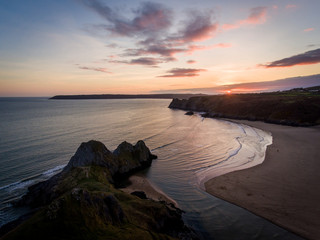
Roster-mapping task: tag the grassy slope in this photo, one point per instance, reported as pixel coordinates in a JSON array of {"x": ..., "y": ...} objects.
[{"x": 91, "y": 208}]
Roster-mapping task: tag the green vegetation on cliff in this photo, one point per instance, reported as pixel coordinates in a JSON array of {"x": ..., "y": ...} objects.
[
  {"x": 82, "y": 203},
  {"x": 297, "y": 107}
]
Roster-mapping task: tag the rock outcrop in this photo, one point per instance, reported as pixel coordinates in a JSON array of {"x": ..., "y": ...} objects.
[
  {"x": 82, "y": 202},
  {"x": 125, "y": 160},
  {"x": 189, "y": 113}
]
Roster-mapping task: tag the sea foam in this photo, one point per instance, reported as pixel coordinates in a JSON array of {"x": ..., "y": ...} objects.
[
  {"x": 29, "y": 181},
  {"x": 252, "y": 142}
]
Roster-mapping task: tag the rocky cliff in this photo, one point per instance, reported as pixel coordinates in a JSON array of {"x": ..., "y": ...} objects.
[
  {"x": 288, "y": 108},
  {"x": 82, "y": 202}
]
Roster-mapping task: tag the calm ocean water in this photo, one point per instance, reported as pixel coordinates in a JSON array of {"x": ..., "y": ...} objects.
[{"x": 39, "y": 136}]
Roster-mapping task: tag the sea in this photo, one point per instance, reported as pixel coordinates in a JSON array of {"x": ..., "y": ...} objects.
[{"x": 38, "y": 136}]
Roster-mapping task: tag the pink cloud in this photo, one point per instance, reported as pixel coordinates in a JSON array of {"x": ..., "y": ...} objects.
[
  {"x": 150, "y": 28},
  {"x": 308, "y": 29},
  {"x": 257, "y": 15},
  {"x": 201, "y": 33},
  {"x": 193, "y": 48},
  {"x": 228, "y": 26},
  {"x": 183, "y": 72},
  {"x": 156, "y": 37}
]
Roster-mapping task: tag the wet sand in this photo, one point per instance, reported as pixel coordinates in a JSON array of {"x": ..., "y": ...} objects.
[{"x": 285, "y": 188}]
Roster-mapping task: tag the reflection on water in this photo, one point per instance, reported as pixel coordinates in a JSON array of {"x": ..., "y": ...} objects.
[
  {"x": 196, "y": 145},
  {"x": 38, "y": 137}
]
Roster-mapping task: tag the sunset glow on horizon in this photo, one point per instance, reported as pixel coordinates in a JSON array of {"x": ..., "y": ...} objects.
[{"x": 130, "y": 47}]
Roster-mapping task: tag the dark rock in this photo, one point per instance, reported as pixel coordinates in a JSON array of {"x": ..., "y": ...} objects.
[
  {"x": 210, "y": 115},
  {"x": 178, "y": 103},
  {"x": 40, "y": 193},
  {"x": 125, "y": 160},
  {"x": 139, "y": 194},
  {"x": 205, "y": 115},
  {"x": 190, "y": 113},
  {"x": 131, "y": 158},
  {"x": 92, "y": 153}
]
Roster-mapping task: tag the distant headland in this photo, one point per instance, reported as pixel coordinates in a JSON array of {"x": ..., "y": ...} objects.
[
  {"x": 296, "y": 107},
  {"x": 126, "y": 96}
]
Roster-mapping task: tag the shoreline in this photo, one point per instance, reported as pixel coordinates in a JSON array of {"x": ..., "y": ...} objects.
[
  {"x": 284, "y": 188},
  {"x": 251, "y": 152}
]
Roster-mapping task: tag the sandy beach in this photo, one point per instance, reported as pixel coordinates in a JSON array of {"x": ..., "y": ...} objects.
[
  {"x": 285, "y": 187},
  {"x": 140, "y": 183}
]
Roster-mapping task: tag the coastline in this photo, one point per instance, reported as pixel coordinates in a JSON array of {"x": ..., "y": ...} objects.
[{"x": 284, "y": 188}]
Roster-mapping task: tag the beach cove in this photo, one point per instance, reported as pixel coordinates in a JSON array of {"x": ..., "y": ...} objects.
[{"x": 285, "y": 187}]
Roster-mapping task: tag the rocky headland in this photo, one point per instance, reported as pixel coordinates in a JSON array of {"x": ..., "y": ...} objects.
[
  {"x": 297, "y": 107},
  {"x": 83, "y": 202}
]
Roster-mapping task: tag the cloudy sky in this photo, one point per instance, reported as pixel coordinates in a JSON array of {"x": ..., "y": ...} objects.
[{"x": 50, "y": 47}]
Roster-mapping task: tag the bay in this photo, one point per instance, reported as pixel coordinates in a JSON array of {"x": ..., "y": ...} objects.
[{"x": 38, "y": 137}]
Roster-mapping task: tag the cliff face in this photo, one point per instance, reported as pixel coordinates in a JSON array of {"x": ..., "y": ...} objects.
[
  {"x": 124, "y": 160},
  {"x": 82, "y": 203},
  {"x": 288, "y": 109}
]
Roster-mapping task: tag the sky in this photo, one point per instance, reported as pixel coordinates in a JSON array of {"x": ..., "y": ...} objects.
[{"x": 54, "y": 47}]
